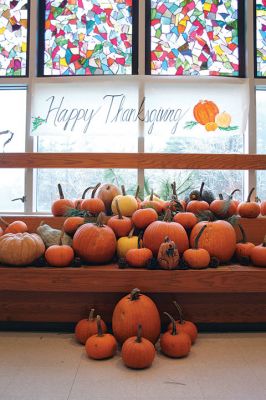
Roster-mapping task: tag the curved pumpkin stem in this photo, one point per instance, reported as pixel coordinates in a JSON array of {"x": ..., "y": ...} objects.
[
  {"x": 243, "y": 233},
  {"x": 60, "y": 190},
  {"x": 140, "y": 242},
  {"x": 233, "y": 192},
  {"x": 123, "y": 190},
  {"x": 95, "y": 189},
  {"x": 61, "y": 237},
  {"x": 151, "y": 195},
  {"x": 135, "y": 294},
  {"x": 201, "y": 190},
  {"x": 221, "y": 197},
  {"x": 198, "y": 236},
  {"x": 173, "y": 186},
  {"x": 180, "y": 312},
  {"x": 174, "y": 331},
  {"x": 139, "y": 334},
  {"x": 85, "y": 191},
  {"x": 91, "y": 314},
  {"x": 137, "y": 192},
  {"x": 168, "y": 215},
  {"x": 99, "y": 326},
  {"x": 249, "y": 195},
  {"x": 99, "y": 221},
  {"x": 4, "y": 222},
  {"x": 120, "y": 216}
]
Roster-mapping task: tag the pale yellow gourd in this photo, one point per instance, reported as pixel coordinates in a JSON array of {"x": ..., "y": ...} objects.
[{"x": 52, "y": 236}]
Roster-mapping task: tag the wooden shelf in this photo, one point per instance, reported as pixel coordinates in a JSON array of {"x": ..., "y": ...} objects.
[{"x": 111, "y": 279}]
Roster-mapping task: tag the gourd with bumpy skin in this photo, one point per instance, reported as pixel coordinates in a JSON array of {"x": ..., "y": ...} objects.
[
  {"x": 168, "y": 256},
  {"x": 52, "y": 236},
  {"x": 20, "y": 248},
  {"x": 102, "y": 345},
  {"x": 132, "y": 310},
  {"x": 138, "y": 352}
]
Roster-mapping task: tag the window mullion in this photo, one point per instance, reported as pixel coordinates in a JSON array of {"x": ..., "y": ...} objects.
[{"x": 29, "y": 173}]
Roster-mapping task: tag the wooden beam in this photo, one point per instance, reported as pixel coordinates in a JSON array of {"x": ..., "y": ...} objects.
[{"x": 134, "y": 160}]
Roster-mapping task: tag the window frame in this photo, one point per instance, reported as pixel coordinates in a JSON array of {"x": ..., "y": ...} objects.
[{"x": 32, "y": 77}]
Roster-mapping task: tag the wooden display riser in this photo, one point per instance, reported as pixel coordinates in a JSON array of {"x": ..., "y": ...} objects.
[{"x": 228, "y": 294}]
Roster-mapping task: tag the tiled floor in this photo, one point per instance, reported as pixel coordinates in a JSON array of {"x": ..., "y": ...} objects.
[{"x": 50, "y": 366}]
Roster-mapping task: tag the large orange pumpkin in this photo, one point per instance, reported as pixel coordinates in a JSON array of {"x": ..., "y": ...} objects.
[
  {"x": 205, "y": 111},
  {"x": 95, "y": 243},
  {"x": 219, "y": 239},
  {"x": 156, "y": 232},
  {"x": 132, "y": 310}
]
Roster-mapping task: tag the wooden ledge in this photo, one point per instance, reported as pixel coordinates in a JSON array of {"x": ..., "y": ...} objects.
[{"x": 111, "y": 279}]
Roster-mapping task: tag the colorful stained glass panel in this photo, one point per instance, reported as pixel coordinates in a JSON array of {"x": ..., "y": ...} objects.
[
  {"x": 261, "y": 37},
  {"x": 13, "y": 37},
  {"x": 88, "y": 37},
  {"x": 194, "y": 37}
]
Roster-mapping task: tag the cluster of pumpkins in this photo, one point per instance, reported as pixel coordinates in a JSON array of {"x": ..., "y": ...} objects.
[
  {"x": 136, "y": 327},
  {"x": 113, "y": 224}
]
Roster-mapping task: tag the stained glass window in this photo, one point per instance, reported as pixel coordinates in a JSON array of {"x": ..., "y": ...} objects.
[
  {"x": 13, "y": 37},
  {"x": 261, "y": 37},
  {"x": 194, "y": 37},
  {"x": 85, "y": 37}
]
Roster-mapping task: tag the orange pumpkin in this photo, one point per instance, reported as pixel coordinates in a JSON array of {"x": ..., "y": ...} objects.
[
  {"x": 173, "y": 343},
  {"x": 71, "y": 224},
  {"x": 140, "y": 257},
  {"x": 14, "y": 227},
  {"x": 205, "y": 111},
  {"x": 157, "y": 205},
  {"x": 186, "y": 219},
  {"x": 95, "y": 243},
  {"x": 59, "y": 255},
  {"x": 144, "y": 217},
  {"x": 132, "y": 310},
  {"x": 93, "y": 205},
  {"x": 263, "y": 207},
  {"x": 197, "y": 258},
  {"x": 258, "y": 254},
  {"x": 219, "y": 239},
  {"x": 61, "y": 206},
  {"x": 223, "y": 208},
  {"x": 119, "y": 224},
  {"x": 249, "y": 209},
  {"x": 87, "y": 327},
  {"x": 199, "y": 205},
  {"x": 182, "y": 325},
  {"x": 243, "y": 248},
  {"x": 138, "y": 352},
  {"x": 156, "y": 232},
  {"x": 102, "y": 345}
]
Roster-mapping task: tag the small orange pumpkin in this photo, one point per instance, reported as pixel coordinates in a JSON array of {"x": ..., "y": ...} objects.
[
  {"x": 59, "y": 255},
  {"x": 62, "y": 205},
  {"x": 186, "y": 219},
  {"x": 249, "y": 209},
  {"x": 120, "y": 224},
  {"x": 102, "y": 345},
  {"x": 199, "y": 205},
  {"x": 205, "y": 111},
  {"x": 87, "y": 327},
  {"x": 243, "y": 247},
  {"x": 224, "y": 208},
  {"x": 138, "y": 352},
  {"x": 71, "y": 224},
  {"x": 182, "y": 325},
  {"x": 158, "y": 206},
  {"x": 140, "y": 257},
  {"x": 175, "y": 343},
  {"x": 258, "y": 254},
  {"x": 14, "y": 227},
  {"x": 144, "y": 217},
  {"x": 197, "y": 258},
  {"x": 93, "y": 205}
]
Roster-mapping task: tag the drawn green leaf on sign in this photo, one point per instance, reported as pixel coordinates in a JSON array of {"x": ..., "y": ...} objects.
[
  {"x": 190, "y": 124},
  {"x": 37, "y": 121}
]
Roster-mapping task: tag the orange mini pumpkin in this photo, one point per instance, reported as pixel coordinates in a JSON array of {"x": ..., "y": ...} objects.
[
  {"x": 258, "y": 254},
  {"x": 144, "y": 217},
  {"x": 205, "y": 112},
  {"x": 182, "y": 325},
  {"x": 102, "y": 345},
  {"x": 87, "y": 327},
  {"x": 59, "y": 255},
  {"x": 71, "y": 224},
  {"x": 243, "y": 247},
  {"x": 62, "y": 205},
  {"x": 140, "y": 257},
  {"x": 249, "y": 209},
  {"x": 93, "y": 205},
  {"x": 120, "y": 224},
  {"x": 175, "y": 343},
  {"x": 186, "y": 219},
  {"x": 14, "y": 227},
  {"x": 197, "y": 258}
]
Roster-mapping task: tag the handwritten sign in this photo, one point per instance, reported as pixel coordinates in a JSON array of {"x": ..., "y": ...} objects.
[{"x": 111, "y": 106}]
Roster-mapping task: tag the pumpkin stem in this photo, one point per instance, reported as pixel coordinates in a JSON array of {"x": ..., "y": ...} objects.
[
  {"x": 99, "y": 221},
  {"x": 60, "y": 190},
  {"x": 174, "y": 332},
  {"x": 61, "y": 238},
  {"x": 91, "y": 314},
  {"x": 120, "y": 216},
  {"x": 85, "y": 192},
  {"x": 134, "y": 295},
  {"x": 221, "y": 197},
  {"x": 201, "y": 190},
  {"x": 168, "y": 215},
  {"x": 233, "y": 192},
  {"x": 249, "y": 195},
  {"x": 131, "y": 232},
  {"x": 199, "y": 235},
  {"x": 139, "y": 332},
  {"x": 151, "y": 195},
  {"x": 99, "y": 325},
  {"x": 123, "y": 190},
  {"x": 180, "y": 313},
  {"x": 4, "y": 222},
  {"x": 95, "y": 190},
  {"x": 173, "y": 186},
  {"x": 244, "y": 237},
  {"x": 140, "y": 242},
  {"x": 137, "y": 192}
]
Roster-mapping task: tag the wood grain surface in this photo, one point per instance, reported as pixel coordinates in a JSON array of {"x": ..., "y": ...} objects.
[{"x": 134, "y": 160}]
